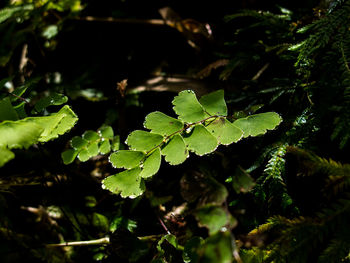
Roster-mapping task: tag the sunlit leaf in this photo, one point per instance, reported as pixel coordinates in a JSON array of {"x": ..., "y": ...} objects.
[
  {"x": 162, "y": 124},
  {"x": 214, "y": 103},
  {"x": 5, "y": 156},
  {"x": 107, "y": 132},
  {"x": 84, "y": 155},
  {"x": 143, "y": 141},
  {"x": 224, "y": 131},
  {"x": 175, "y": 150},
  {"x": 93, "y": 149},
  {"x": 126, "y": 159},
  {"x": 19, "y": 134},
  {"x": 258, "y": 123},
  {"x": 127, "y": 183},
  {"x": 188, "y": 108},
  {"x": 201, "y": 141},
  {"x": 212, "y": 217},
  {"x": 56, "y": 124},
  {"x": 104, "y": 147},
  {"x": 151, "y": 164}
]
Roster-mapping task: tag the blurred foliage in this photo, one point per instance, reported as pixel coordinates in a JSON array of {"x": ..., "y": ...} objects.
[{"x": 280, "y": 197}]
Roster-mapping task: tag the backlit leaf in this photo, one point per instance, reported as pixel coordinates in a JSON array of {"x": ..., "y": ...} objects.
[
  {"x": 214, "y": 103},
  {"x": 201, "y": 141},
  {"x": 93, "y": 149},
  {"x": 188, "y": 108},
  {"x": 212, "y": 217},
  {"x": 224, "y": 131},
  {"x": 162, "y": 124},
  {"x": 5, "y": 155},
  {"x": 151, "y": 164},
  {"x": 127, "y": 183},
  {"x": 126, "y": 159},
  {"x": 143, "y": 141},
  {"x": 175, "y": 150},
  {"x": 19, "y": 134},
  {"x": 258, "y": 123},
  {"x": 104, "y": 147},
  {"x": 84, "y": 155},
  {"x": 56, "y": 124},
  {"x": 107, "y": 132}
]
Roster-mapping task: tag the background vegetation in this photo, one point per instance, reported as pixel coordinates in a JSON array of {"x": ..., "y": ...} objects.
[{"x": 74, "y": 71}]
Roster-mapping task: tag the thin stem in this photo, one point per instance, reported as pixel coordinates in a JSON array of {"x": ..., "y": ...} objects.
[
  {"x": 164, "y": 226},
  {"x": 101, "y": 241},
  {"x": 180, "y": 131}
]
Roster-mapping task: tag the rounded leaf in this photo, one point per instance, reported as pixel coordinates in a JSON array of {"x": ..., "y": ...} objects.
[
  {"x": 151, "y": 164},
  {"x": 214, "y": 103},
  {"x": 143, "y": 141},
  {"x": 91, "y": 136},
  {"x": 175, "y": 150},
  {"x": 258, "y": 123},
  {"x": 93, "y": 149},
  {"x": 104, "y": 147},
  {"x": 84, "y": 155},
  {"x": 69, "y": 156},
  {"x": 224, "y": 131},
  {"x": 78, "y": 142},
  {"x": 188, "y": 108},
  {"x": 107, "y": 132},
  {"x": 201, "y": 141},
  {"x": 162, "y": 124},
  {"x": 127, "y": 183},
  {"x": 126, "y": 159},
  {"x": 212, "y": 217}
]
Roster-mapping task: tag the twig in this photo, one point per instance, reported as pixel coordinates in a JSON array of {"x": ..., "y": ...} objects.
[
  {"x": 156, "y": 22},
  {"x": 101, "y": 241},
  {"x": 163, "y": 225}
]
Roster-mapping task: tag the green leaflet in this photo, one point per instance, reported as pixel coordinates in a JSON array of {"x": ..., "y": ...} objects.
[
  {"x": 151, "y": 164},
  {"x": 201, "y": 141},
  {"x": 188, "y": 108},
  {"x": 258, "y": 123},
  {"x": 126, "y": 159},
  {"x": 214, "y": 103},
  {"x": 69, "y": 156},
  {"x": 213, "y": 217},
  {"x": 105, "y": 147},
  {"x": 224, "y": 131},
  {"x": 175, "y": 150},
  {"x": 53, "y": 99},
  {"x": 107, "y": 132},
  {"x": 19, "y": 134},
  {"x": 162, "y": 124},
  {"x": 7, "y": 112},
  {"x": 91, "y": 144},
  {"x": 5, "y": 156},
  {"x": 127, "y": 183},
  {"x": 143, "y": 141},
  {"x": 26, "y": 132},
  {"x": 56, "y": 124}
]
